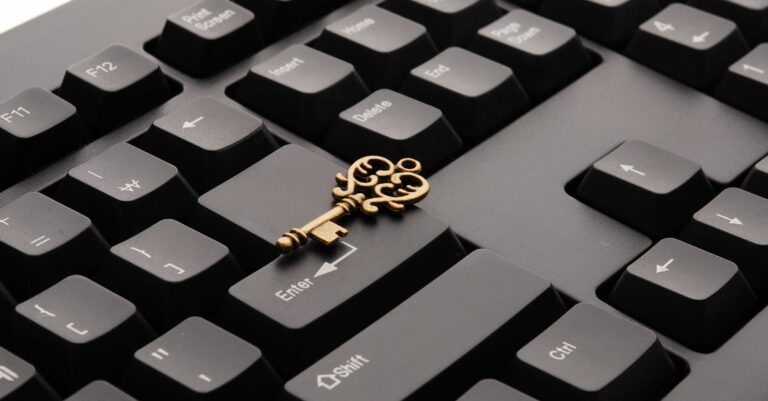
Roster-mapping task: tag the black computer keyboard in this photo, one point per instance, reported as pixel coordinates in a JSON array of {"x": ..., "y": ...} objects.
[{"x": 596, "y": 230}]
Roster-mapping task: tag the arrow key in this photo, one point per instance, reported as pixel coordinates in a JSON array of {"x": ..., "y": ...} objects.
[
  {"x": 685, "y": 292},
  {"x": 209, "y": 141},
  {"x": 745, "y": 84},
  {"x": 734, "y": 225},
  {"x": 687, "y": 44},
  {"x": 646, "y": 187}
]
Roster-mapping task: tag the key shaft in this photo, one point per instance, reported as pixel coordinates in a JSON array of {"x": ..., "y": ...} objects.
[{"x": 297, "y": 237}]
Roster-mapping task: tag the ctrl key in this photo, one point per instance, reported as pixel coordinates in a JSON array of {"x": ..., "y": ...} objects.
[{"x": 591, "y": 354}]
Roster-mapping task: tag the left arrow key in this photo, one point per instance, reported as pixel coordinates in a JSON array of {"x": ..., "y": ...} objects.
[{"x": 209, "y": 141}]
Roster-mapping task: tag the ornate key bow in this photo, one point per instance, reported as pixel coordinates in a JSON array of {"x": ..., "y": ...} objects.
[{"x": 371, "y": 182}]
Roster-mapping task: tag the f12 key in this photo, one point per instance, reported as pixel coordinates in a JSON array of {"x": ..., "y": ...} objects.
[{"x": 689, "y": 45}]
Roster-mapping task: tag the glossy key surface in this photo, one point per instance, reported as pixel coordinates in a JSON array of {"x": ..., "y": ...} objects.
[
  {"x": 125, "y": 189},
  {"x": 43, "y": 241},
  {"x": 114, "y": 85},
  {"x": 208, "y": 141},
  {"x": 382, "y": 46},
  {"x": 196, "y": 360},
  {"x": 303, "y": 89},
  {"x": 76, "y": 331},
  {"x": 690, "y": 45},
  {"x": 482, "y": 300},
  {"x": 686, "y": 292},
  {"x": 591, "y": 354},
  {"x": 209, "y": 35}
]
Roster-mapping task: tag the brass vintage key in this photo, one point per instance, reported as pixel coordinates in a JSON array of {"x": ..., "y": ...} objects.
[{"x": 371, "y": 182}]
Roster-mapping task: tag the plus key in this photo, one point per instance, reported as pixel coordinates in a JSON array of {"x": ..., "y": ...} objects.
[{"x": 689, "y": 45}]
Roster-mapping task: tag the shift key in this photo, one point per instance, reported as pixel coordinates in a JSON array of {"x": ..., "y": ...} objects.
[{"x": 462, "y": 327}]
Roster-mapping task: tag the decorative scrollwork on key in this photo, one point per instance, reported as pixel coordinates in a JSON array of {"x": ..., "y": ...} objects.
[
  {"x": 363, "y": 175},
  {"x": 403, "y": 189},
  {"x": 370, "y": 181}
]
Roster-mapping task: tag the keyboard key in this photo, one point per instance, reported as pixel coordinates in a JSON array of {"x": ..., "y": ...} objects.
[
  {"x": 302, "y": 89},
  {"x": 689, "y": 45},
  {"x": 252, "y": 210},
  {"x": 125, "y": 189},
  {"x": 608, "y": 21},
  {"x": 449, "y": 22},
  {"x": 591, "y": 354},
  {"x": 492, "y": 390},
  {"x": 468, "y": 321},
  {"x": 43, "y": 241},
  {"x": 280, "y": 17},
  {"x": 646, "y": 187},
  {"x": 209, "y": 141},
  {"x": 757, "y": 179},
  {"x": 75, "y": 332},
  {"x": 734, "y": 225},
  {"x": 171, "y": 272},
  {"x": 476, "y": 94},
  {"x": 100, "y": 391},
  {"x": 381, "y": 45},
  {"x": 545, "y": 55},
  {"x": 749, "y": 15},
  {"x": 19, "y": 380},
  {"x": 208, "y": 36},
  {"x": 686, "y": 293},
  {"x": 745, "y": 84},
  {"x": 36, "y": 127},
  {"x": 318, "y": 290},
  {"x": 197, "y": 360},
  {"x": 392, "y": 125},
  {"x": 113, "y": 86}
]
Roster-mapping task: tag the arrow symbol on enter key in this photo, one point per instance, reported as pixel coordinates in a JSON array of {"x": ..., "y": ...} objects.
[
  {"x": 331, "y": 267},
  {"x": 192, "y": 124},
  {"x": 665, "y": 267}
]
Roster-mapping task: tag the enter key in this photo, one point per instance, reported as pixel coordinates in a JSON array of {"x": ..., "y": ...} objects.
[{"x": 302, "y": 305}]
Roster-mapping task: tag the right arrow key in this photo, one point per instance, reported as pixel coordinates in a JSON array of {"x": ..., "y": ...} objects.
[
  {"x": 692, "y": 46},
  {"x": 734, "y": 225}
]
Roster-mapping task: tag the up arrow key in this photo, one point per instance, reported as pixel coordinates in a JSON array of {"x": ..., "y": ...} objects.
[{"x": 631, "y": 169}]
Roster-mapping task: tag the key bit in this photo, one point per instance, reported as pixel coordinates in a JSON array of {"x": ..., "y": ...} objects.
[{"x": 370, "y": 181}]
